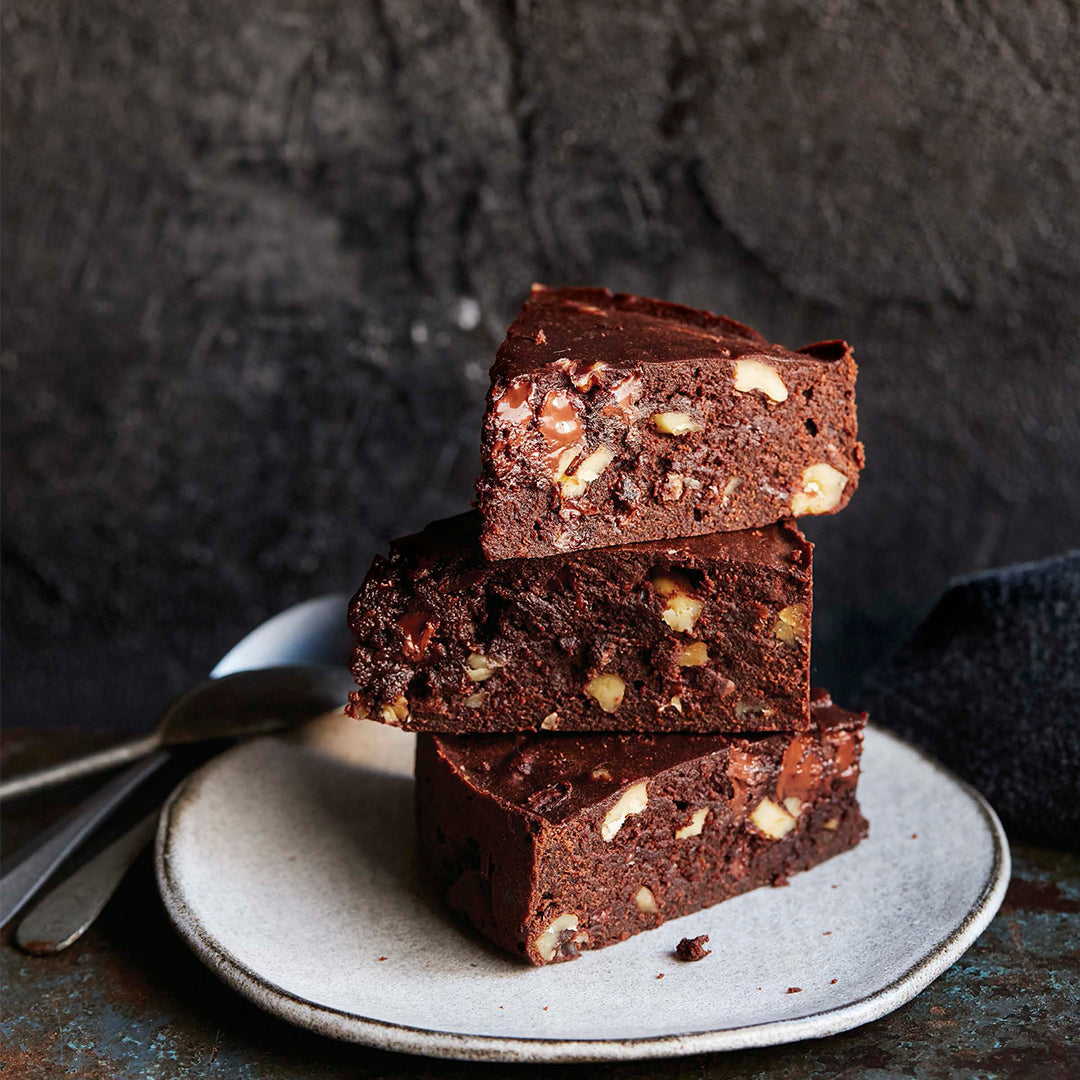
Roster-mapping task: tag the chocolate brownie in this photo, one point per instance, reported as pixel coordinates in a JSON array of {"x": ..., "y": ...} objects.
[
  {"x": 549, "y": 844},
  {"x": 708, "y": 634},
  {"x": 614, "y": 418}
]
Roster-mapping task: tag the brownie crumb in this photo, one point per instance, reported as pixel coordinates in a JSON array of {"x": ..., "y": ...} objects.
[
  {"x": 794, "y": 989},
  {"x": 693, "y": 948},
  {"x": 661, "y": 975}
]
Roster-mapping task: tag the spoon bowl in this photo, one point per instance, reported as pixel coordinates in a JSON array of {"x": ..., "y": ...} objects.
[
  {"x": 253, "y": 702},
  {"x": 241, "y": 704}
]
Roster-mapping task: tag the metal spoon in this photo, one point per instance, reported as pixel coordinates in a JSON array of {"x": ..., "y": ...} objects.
[
  {"x": 66, "y": 912},
  {"x": 245, "y": 703}
]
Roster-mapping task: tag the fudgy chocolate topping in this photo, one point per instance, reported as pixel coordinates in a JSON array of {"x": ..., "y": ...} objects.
[
  {"x": 453, "y": 545},
  {"x": 557, "y": 775},
  {"x": 582, "y": 328}
]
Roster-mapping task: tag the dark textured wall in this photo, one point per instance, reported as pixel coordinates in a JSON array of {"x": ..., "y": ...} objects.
[{"x": 257, "y": 257}]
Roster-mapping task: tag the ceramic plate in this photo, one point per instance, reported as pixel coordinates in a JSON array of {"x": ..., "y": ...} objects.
[{"x": 288, "y": 866}]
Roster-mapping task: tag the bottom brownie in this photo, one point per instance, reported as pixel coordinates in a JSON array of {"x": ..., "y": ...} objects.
[{"x": 552, "y": 843}]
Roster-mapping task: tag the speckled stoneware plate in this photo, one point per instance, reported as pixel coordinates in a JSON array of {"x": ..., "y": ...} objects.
[{"x": 288, "y": 866}]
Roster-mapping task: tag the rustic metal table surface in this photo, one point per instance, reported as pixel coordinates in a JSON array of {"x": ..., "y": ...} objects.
[{"x": 129, "y": 1000}]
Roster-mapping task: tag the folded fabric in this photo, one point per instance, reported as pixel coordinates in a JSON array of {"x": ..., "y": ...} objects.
[{"x": 990, "y": 685}]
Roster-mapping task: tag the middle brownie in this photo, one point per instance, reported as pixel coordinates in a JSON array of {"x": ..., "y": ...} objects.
[{"x": 706, "y": 634}]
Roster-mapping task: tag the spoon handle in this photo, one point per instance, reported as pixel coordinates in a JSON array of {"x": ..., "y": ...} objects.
[
  {"x": 29, "y": 868},
  {"x": 79, "y": 767},
  {"x": 63, "y": 915}
]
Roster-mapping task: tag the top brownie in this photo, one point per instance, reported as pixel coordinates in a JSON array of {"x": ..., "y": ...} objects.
[{"x": 614, "y": 418}]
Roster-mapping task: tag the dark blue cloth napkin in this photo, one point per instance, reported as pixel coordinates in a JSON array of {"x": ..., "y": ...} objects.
[{"x": 989, "y": 684}]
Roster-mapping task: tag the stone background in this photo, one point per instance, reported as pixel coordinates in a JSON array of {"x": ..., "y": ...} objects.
[{"x": 257, "y": 257}]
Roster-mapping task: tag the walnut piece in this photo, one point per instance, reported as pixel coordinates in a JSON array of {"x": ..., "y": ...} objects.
[
  {"x": 681, "y": 612},
  {"x": 752, "y": 708},
  {"x": 550, "y": 722},
  {"x": 681, "y": 609},
  {"x": 793, "y": 805},
  {"x": 644, "y": 901},
  {"x": 551, "y": 939},
  {"x": 568, "y": 485},
  {"x": 773, "y": 820},
  {"x": 481, "y": 667},
  {"x": 695, "y": 825},
  {"x": 395, "y": 712},
  {"x": 475, "y": 701},
  {"x": 575, "y": 485},
  {"x": 792, "y": 624},
  {"x": 584, "y": 376},
  {"x": 822, "y": 486},
  {"x": 632, "y": 801},
  {"x": 607, "y": 691},
  {"x": 671, "y": 489},
  {"x": 832, "y": 824},
  {"x": 672, "y": 584},
  {"x": 675, "y": 423},
  {"x": 601, "y": 772},
  {"x": 694, "y": 655},
  {"x": 754, "y": 375},
  {"x": 591, "y": 468}
]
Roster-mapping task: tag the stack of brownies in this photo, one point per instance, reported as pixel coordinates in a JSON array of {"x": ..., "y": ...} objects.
[{"x": 609, "y": 662}]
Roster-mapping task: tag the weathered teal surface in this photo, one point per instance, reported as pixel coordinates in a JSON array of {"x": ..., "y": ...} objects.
[{"x": 130, "y": 1001}]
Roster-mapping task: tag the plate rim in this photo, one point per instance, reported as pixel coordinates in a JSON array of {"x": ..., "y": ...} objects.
[{"x": 430, "y": 1042}]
